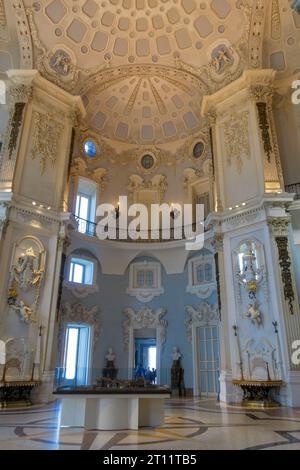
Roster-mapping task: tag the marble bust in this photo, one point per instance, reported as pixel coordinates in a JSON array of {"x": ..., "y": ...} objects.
[
  {"x": 176, "y": 354},
  {"x": 110, "y": 358}
]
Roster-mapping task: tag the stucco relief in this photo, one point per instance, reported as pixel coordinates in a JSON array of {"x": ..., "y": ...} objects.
[
  {"x": 236, "y": 139},
  {"x": 47, "y": 134},
  {"x": 24, "y": 36},
  {"x": 203, "y": 314},
  {"x": 157, "y": 184},
  {"x": 144, "y": 318},
  {"x": 79, "y": 313}
]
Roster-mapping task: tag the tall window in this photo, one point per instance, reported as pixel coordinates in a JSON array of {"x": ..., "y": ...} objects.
[
  {"x": 204, "y": 199},
  {"x": 81, "y": 271},
  {"x": 86, "y": 205},
  {"x": 82, "y": 211},
  {"x": 77, "y": 354}
]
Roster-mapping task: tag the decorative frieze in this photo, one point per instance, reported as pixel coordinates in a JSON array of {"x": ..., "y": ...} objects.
[
  {"x": 265, "y": 129},
  {"x": 24, "y": 35},
  {"x": 47, "y": 135},
  {"x": 257, "y": 33},
  {"x": 286, "y": 274},
  {"x": 16, "y": 122},
  {"x": 236, "y": 139}
]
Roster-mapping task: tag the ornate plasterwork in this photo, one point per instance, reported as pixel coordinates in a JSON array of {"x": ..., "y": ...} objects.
[
  {"x": 3, "y": 22},
  {"x": 279, "y": 225},
  {"x": 256, "y": 37},
  {"x": 247, "y": 217},
  {"x": 286, "y": 273},
  {"x": 264, "y": 126},
  {"x": 99, "y": 175},
  {"x": 276, "y": 22},
  {"x": 47, "y": 134},
  {"x": 24, "y": 35},
  {"x": 157, "y": 184},
  {"x": 145, "y": 318},
  {"x": 79, "y": 313},
  {"x": 204, "y": 289},
  {"x": 27, "y": 273},
  {"x": 145, "y": 294},
  {"x": 203, "y": 314},
  {"x": 236, "y": 139},
  {"x": 15, "y": 124},
  {"x": 20, "y": 93},
  {"x": 108, "y": 151},
  {"x": 81, "y": 291},
  {"x": 193, "y": 175}
]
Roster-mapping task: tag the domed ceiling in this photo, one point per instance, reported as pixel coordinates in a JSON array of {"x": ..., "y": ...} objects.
[
  {"x": 137, "y": 63},
  {"x": 143, "y": 66}
]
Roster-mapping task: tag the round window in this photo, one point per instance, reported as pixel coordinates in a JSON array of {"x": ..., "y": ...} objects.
[
  {"x": 198, "y": 149},
  {"x": 90, "y": 148},
  {"x": 147, "y": 162}
]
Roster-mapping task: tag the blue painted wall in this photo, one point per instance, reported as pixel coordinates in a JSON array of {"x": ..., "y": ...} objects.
[{"x": 112, "y": 299}]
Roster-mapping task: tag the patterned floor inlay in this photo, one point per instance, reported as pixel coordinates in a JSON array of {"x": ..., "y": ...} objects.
[{"x": 189, "y": 424}]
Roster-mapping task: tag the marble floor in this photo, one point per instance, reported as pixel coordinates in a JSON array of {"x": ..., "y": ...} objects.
[{"x": 189, "y": 424}]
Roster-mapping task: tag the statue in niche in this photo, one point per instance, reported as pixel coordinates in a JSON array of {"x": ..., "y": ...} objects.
[
  {"x": 110, "y": 370},
  {"x": 254, "y": 314},
  {"x": 177, "y": 372},
  {"x": 24, "y": 272}
]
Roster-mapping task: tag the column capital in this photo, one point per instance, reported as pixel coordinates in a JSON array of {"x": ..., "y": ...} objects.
[
  {"x": 256, "y": 83},
  {"x": 279, "y": 225}
]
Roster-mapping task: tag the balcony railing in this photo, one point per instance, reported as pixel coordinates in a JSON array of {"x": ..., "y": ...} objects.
[
  {"x": 88, "y": 228},
  {"x": 293, "y": 188}
]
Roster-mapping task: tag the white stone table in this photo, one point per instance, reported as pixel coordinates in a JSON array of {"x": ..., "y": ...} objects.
[{"x": 110, "y": 411}]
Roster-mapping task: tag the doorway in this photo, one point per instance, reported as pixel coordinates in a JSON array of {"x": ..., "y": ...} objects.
[
  {"x": 76, "y": 361},
  {"x": 208, "y": 360},
  {"x": 145, "y": 355}
]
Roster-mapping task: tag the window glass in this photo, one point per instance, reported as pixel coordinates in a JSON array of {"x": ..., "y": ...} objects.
[
  {"x": 208, "y": 272},
  {"x": 90, "y": 148},
  {"x": 200, "y": 273},
  {"x": 81, "y": 271}
]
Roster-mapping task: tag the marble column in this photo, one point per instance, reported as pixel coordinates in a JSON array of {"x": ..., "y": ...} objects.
[
  {"x": 39, "y": 163},
  {"x": 252, "y": 201}
]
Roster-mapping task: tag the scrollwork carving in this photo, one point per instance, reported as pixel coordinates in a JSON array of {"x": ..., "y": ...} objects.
[
  {"x": 79, "y": 313},
  {"x": 265, "y": 129},
  {"x": 236, "y": 139},
  {"x": 46, "y": 139},
  {"x": 145, "y": 318},
  {"x": 202, "y": 314},
  {"x": 286, "y": 274}
]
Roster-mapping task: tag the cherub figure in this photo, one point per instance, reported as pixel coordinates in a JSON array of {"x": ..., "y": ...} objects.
[{"x": 254, "y": 314}]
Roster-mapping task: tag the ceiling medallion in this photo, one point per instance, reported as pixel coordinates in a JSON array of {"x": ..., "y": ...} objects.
[{"x": 148, "y": 161}]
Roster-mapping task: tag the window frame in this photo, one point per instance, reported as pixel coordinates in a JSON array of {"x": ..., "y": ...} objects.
[
  {"x": 145, "y": 293},
  {"x": 203, "y": 289},
  {"x": 81, "y": 290}
]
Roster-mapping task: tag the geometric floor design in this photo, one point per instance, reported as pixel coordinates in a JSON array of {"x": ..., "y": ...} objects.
[{"x": 189, "y": 424}]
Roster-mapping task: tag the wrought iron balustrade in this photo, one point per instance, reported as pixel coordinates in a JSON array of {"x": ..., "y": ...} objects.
[
  {"x": 293, "y": 188},
  {"x": 88, "y": 228}
]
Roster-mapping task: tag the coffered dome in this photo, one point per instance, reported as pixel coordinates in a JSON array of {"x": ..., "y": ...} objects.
[{"x": 136, "y": 63}]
